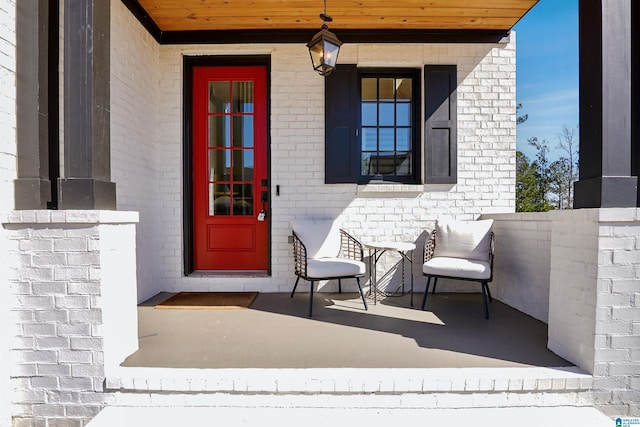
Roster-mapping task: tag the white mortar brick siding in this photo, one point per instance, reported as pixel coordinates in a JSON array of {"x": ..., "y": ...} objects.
[
  {"x": 7, "y": 176},
  {"x": 591, "y": 280},
  {"x": 136, "y": 163},
  {"x": 76, "y": 326}
]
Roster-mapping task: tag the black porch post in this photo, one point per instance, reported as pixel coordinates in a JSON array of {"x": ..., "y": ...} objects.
[
  {"x": 605, "y": 106},
  {"x": 32, "y": 186},
  {"x": 87, "y": 162}
]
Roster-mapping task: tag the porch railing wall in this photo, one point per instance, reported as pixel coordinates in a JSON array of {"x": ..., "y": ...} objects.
[{"x": 591, "y": 280}]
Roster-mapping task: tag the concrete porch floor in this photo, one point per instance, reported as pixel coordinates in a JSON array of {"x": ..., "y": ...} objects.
[{"x": 276, "y": 333}]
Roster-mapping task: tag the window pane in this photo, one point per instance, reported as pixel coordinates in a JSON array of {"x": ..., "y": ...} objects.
[
  {"x": 369, "y": 89},
  {"x": 403, "y": 114},
  {"x": 243, "y": 131},
  {"x": 218, "y": 131},
  {"x": 242, "y": 97},
  {"x": 243, "y": 199},
  {"x": 369, "y": 114},
  {"x": 403, "y": 89},
  {"x": 387, "y": 90},
  {"x": 386, "y": 163},
  {"x": 386, "y": 114},
  {"x": 242, "y": 165},
  {"x": 369, "y": 139},
  {"x": 403, "y": 139},
  {"x": 403, "y": 163},
  {"x": 219, "y": 97},
  {"x": 367, "y": 167},
  {"x": 219, "y": 199},
  {"x": 386, "y": 137},
  {"x": 219, "y": 164}
]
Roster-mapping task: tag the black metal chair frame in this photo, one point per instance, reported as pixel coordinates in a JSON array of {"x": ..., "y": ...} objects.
[
  {"x": 429, "y": 249},
  {"x": 350, "y": 248}
]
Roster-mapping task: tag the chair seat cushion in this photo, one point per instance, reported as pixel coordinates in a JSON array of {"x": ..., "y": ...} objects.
[
  {"x": 334, "y": 267},
  {"x": 457, "y": 267}
]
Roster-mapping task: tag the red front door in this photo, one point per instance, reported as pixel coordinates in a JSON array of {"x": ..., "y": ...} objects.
[{"x": 230, "y": 186}]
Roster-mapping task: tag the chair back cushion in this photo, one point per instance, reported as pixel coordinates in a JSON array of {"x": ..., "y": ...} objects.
[
  {"x": 321, "y": 236},
  {"x": 463, "y": 239}
]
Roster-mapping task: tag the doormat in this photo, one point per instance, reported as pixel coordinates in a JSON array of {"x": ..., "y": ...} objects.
[{"x": 209, "y": 300}]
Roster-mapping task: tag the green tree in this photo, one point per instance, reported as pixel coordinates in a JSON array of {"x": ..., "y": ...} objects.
[
  {"x": 530, "y": 196},
  {"x": 560, "y": 184}
]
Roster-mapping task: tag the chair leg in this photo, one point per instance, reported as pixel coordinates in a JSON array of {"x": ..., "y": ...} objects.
[
  {"x": 435, "y": 282},
  {"x": 295, "y": 286},
  {"x": 488, "y": 291},
  {"x": 311, "y": 299},
  {"x": 339, "y": 285},
  {"x": 426, "y": 292},
  {"x": 364, "y": 301},
  {"x": 484, "y": 300}
]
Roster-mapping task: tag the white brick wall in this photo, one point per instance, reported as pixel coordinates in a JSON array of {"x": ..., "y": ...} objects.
[
  {"x": 7, "y": 175},
  {"x": 486, "y": 166},
  {"x": 572, "y": 295},
  {"x": 135, "y": 135},
  {"x": 591, "y": 277},
  {"x": 522, "y": 262},
  {"x": 617, "y": 330},
  {"x": 73, "y": 310}
]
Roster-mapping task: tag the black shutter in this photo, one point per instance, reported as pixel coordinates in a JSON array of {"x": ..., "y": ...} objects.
[
  {"x": 441, "y": 146},
  {"x": 342, "y": 112}
]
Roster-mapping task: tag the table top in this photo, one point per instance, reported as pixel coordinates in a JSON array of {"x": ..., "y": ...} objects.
[{"x": 391, "y": 246}]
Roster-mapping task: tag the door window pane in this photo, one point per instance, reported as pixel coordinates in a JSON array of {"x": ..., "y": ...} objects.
[
  {"x": 243, "y": 131},
  {"x": 242, "y": 165},
  {"x": 243, "y": 199},
  {"x": 219, "y": 131},
  {"x": 243, "y": 97},
  {"x": 219, "y": 97},
  {"x": 219, "y": 164},
  {"x": 219, "y": 199}
]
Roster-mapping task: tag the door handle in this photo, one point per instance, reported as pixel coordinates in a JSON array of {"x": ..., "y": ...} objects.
[{"x": 264, "y": 198}]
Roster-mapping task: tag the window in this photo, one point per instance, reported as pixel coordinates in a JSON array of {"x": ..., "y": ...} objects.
[
  {"x": 387, "y": 127},
  {"x": 373, "y": 125}
]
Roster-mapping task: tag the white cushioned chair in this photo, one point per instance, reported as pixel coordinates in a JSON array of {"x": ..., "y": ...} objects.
[
  {"x": 323, "y": 251},
  {"x": 461, "y": 250}
]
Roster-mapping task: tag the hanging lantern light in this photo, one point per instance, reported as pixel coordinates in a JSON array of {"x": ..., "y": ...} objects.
[{"x": 324, "y": 47}]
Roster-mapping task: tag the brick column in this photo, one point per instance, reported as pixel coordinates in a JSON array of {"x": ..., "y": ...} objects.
[{"x": 73, "y": 304}]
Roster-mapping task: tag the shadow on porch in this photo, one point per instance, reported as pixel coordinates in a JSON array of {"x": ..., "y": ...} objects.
[{"x": 276, "y": 333}]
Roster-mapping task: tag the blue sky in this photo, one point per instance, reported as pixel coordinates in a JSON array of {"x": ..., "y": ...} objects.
[{"x": 547, "y": 71}]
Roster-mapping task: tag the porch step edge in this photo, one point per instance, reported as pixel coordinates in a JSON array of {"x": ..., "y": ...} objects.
[
  {"x": 349, "y": 380},
  {"x": 311, "y": 417}
]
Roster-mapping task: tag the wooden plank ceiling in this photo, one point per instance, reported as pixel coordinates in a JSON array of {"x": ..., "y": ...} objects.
[{"x": 195, "y": 15}]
